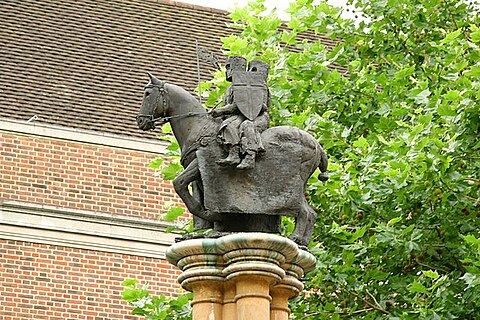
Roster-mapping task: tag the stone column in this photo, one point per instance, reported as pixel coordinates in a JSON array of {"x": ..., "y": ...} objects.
[
  {"x": 229, "y": 305},
  {"x": 242, "y": 276},
  {"x": 202, "y": 275},
  {"x": 290, "y": 286},
  {"x": 279, "y": 307},
  {"x": 253, "y": 261}
]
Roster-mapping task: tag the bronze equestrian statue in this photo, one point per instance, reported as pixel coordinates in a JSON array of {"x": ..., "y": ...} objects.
[{"x": 229, "y": 198}]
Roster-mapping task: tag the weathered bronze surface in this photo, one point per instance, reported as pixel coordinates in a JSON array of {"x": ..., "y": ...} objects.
[{"x": 245, "y": 177}]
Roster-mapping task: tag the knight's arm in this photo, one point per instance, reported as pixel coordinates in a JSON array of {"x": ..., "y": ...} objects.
[
  {"x": 229, "y": 108},
  {"x": 226, "y": 110}
]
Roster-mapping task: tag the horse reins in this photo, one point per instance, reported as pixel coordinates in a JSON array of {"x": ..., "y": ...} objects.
[{"x": 163, "y": 96}]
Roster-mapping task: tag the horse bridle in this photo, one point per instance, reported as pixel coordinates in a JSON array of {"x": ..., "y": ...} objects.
[
  {"x": 164, "y": 100},
  {"x": 163, "y": 96}
]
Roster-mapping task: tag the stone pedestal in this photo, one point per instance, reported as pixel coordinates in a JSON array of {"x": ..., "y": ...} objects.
[{"x": 242, "y": 276}]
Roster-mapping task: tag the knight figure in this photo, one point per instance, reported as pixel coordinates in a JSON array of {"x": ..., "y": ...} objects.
[{"x": 245, "y": 113}]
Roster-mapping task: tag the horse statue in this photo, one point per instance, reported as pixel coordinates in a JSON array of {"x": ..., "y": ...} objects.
[{"x": 224, "y": 198}]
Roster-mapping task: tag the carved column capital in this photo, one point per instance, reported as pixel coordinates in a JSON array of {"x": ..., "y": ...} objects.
[
  {"x": 198, "y": 259},
  {"x": 255, "y": 254}
]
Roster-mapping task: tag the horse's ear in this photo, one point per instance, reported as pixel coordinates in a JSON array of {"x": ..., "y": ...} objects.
[{"x": 153, "y": 79}]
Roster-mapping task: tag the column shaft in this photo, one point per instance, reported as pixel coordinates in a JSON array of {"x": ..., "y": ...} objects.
[
  {"x": 207, "y": 300},
  {"x": 279, "y": 307},
  {"x": 229, "y": 310},
  {"x": 252, "y": 298}
]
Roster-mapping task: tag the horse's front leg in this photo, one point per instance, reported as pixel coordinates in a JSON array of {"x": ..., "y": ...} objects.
[
  {"x": 197, "y": 193},
  {"x": 181, "y": 183}
]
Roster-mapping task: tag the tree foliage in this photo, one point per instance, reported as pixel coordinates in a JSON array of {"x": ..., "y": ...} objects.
[
  {"x": 398, "y": 227},
  {"x": 398, "y": 230},
  {"x": 156, "y": 308}
]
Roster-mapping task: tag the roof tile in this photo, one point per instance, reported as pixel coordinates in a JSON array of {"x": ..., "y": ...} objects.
[{"x": 83, "y": 63}]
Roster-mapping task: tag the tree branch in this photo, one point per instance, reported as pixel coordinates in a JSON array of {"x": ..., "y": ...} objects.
[{"x": 374, "y": 306}]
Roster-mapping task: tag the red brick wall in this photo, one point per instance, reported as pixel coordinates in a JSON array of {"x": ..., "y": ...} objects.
[
  {"x": 40, "y": 281},
  {"x": 81, "y": 176}
]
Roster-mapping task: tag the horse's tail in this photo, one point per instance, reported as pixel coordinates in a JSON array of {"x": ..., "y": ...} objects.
[{"x": 322, "y": 176}]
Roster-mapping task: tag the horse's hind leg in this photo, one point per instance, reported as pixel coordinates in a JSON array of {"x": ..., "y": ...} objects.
[
  {"x": 311, "y": 217},
  {"x": 300, "y": 225},
  {"x": 304, "y": 224}
]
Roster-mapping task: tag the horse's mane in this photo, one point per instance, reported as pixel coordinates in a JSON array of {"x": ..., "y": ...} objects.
[{"x": 185, "y": 96}]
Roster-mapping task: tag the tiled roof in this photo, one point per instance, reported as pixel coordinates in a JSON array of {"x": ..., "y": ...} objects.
[{"x": 83, "y": 63}]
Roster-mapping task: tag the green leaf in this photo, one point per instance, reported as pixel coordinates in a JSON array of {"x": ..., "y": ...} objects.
[
  {"x": 402, "y": 74},
  {"x": 173, "y": 213},
  {"x": 475, "y": 35},
  {"x": 394, "y": 221},
  {"x": 361, "y": 143},
  {"x": 472, "y": 240},
  {"x": 130, "y": 294},
  {"x": 346, "y": 132},
  {"x": 425, "y": 119},
  {"x": 471, "y": 280},
  {"x": 385, "y": 124},
  {"x": 289, "y": 37},
  {"x": 348, "y": 257},
  {"x": 452, "y": 95},
  {"x": 382, "y": 140},
  {"x": 129, "y": 282},
  {"x": 357, "y": 234},
  {"x": 446, "y": 110},
  {"x": 166, "y": 128},
  {"x": 240, "y": 13},
  {"x": 431, "y": 274},
  {"x": 422, "y": 97},
  {"x": 139, "y": 312},
  {"x": 450, "y": 76},
  {"x": 376, "y": 275},
  {"x": 451, "y": 36},
  {"x": 329, "y": 306},
  {"x": 417, "y": 287},
  {"x": 156, "y": 163},
  {"x": 170, "y": 172},
  {"x": 473, "y": 72},
  {"x": 174, "y": 146}
]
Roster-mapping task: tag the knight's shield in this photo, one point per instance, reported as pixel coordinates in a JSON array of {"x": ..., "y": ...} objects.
[{"x": 249, "y": 92}]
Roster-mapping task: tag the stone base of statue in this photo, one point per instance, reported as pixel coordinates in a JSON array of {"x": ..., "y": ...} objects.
[{"x": 242, "y": 276}]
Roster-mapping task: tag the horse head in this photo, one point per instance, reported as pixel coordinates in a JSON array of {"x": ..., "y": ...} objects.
[{"x": 154, "y": 104}]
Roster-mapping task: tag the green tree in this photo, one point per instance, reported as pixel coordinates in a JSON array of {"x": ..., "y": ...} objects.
[
  {"x": 156, "y": 308},
  {"x": 398, "y": 231}
]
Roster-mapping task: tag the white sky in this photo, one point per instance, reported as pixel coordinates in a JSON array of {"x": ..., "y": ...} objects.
[{"x": 281, "y": 5}]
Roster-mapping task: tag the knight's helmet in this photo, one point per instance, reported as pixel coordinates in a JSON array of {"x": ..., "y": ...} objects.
[
  {"x": 234, "y": 63},
  {"x": 260, "y": 67}
]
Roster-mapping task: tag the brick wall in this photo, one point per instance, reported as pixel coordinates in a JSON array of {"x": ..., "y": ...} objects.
[
  {"x": 81, "y": 176},
  {"x": 40, "y": 281}
]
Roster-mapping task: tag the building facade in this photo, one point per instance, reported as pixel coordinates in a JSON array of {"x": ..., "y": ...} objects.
[{"x": 80, "y": 210}]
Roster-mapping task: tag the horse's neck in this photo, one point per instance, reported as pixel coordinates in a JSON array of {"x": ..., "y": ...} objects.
[{"x": 186, "y": 129}]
